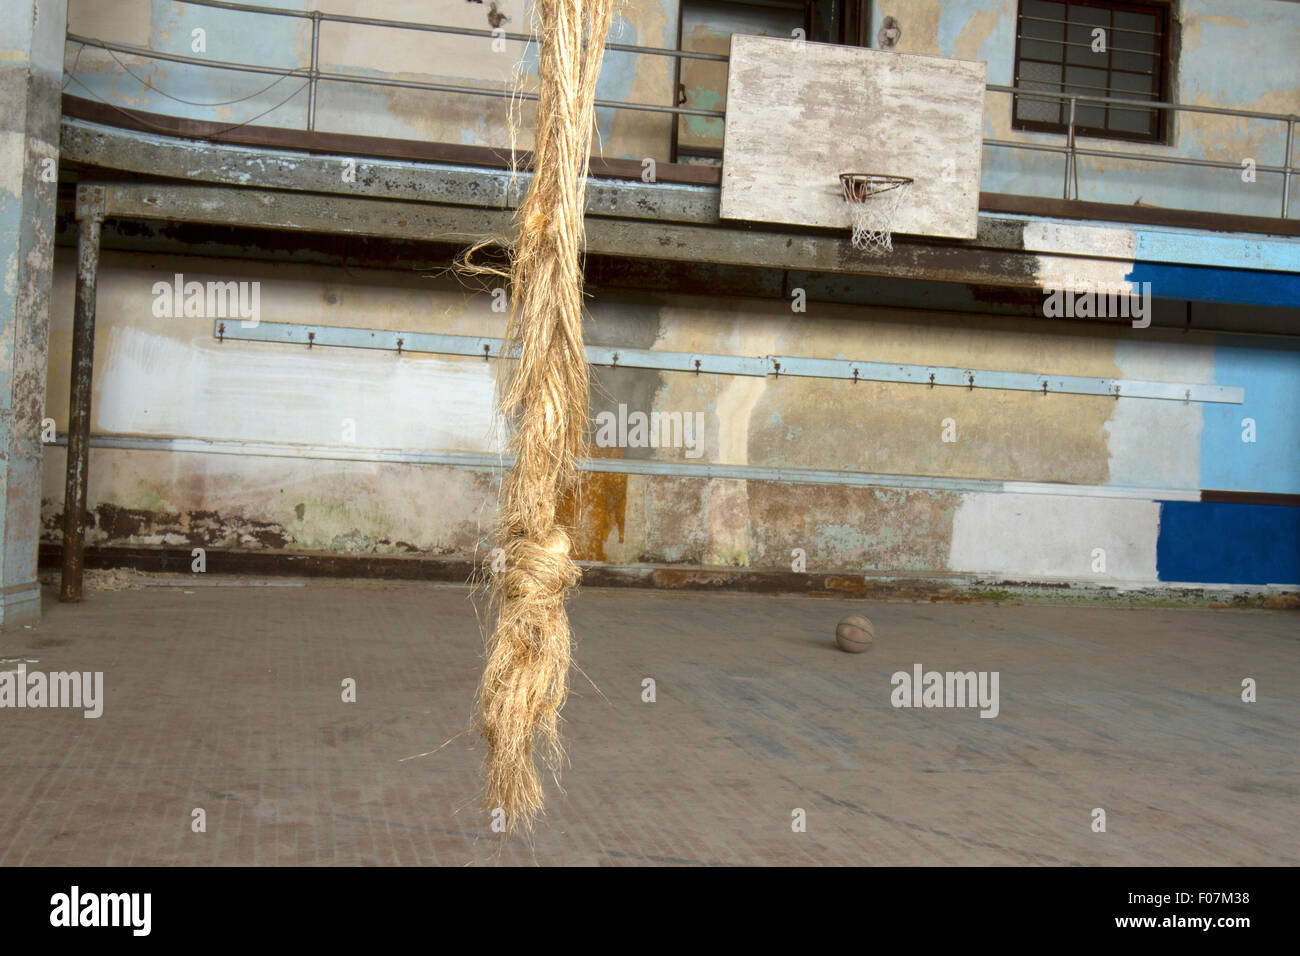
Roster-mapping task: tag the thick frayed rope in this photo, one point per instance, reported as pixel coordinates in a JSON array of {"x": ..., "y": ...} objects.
[{"x": 526, "y": 678}]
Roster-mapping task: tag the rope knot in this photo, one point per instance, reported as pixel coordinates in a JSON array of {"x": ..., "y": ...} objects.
[{"x": 540, "y": 572}]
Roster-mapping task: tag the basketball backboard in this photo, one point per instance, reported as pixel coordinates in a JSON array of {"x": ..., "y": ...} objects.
[{"x": 799, "y": 114}]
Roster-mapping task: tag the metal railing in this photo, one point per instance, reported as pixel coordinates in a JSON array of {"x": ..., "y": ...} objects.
[
  {"x": 314, "y": 76},
  {"x": 1071, "y": 150}
]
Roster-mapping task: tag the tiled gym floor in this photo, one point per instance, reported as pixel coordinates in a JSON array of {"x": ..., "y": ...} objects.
[{"x": 228, "y": 699}]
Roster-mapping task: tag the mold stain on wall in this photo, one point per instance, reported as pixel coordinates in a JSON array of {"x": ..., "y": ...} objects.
[
  {"x": 854, "y": 528},
  {"x": 595, "y": 511}
]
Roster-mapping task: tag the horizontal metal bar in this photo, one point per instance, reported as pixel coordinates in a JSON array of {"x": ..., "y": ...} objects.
[
  {"x": 989, "y": 258},
  {"x": 306, "y": 73},
  {"x": 430, "y": 27},
  {"x": 705, "y": 363},
  {"x": 511, "y": 94},
  {"x": 677, "y": 361},
  {"x": 1043, "y": 147},
  {"x": 1073, "y": 85},
  {"x": 1009, "y": 381},
  {"x": 1152, "y": 104},
  {"x": 1024, "y": 16},
  {"x": 162, "y": 156},
  {"x": 249, "y": 8},
  {"x": 302, "y": 71},
  {"x": 492, "y": 462},
  {"x": 1171, "y": 160},
  {"x": 685, "y": 242},
  {"x": 1086, "y": 46},
  {"x": 289, "y": 333},
  {"x": 1180, "y": 160}
]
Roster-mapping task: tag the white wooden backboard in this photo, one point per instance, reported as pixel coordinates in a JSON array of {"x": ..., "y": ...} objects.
[{"x": 799, "y": 114}]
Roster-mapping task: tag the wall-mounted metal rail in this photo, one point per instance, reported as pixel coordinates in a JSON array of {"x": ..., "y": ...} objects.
[{"x": 847, "y": 370}]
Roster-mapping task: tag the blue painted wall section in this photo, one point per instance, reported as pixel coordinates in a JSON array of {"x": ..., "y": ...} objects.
[
  {"x": 1269, "y": 371},
  {"x": 1217, "y": 543},
  {"x": 1223, "y": 250},
  {"x": 1208, "y": 284}
]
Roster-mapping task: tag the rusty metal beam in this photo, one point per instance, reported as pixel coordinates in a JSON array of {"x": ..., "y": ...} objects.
[
  {"x": 614, "y": 275},
  {"x": 90, "y": 215},
  {"x": 685, "y": 242},
  {"x": 174, "y": 157},
  {"x": 1062, "y": 249}
]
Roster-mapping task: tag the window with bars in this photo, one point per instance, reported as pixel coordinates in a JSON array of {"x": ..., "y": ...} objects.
[{"x": 1059, "y": 50}]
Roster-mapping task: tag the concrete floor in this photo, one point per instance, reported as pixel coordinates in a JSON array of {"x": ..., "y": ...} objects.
[{"x": 228, "y": 699}]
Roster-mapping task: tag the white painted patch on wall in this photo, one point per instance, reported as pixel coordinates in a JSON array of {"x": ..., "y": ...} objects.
[
  {"x": 1108, "y": 255},
  {"x": 1055, "y": 536},
  {"x": 1085, "y": 275},
  {"x": 1069, "y": 239},
  {"x": 1158, "y": 444},
  {"x": 151, "y": 384}
]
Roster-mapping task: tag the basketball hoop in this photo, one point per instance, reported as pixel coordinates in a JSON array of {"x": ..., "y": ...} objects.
[{"x": 873, "y": 198}]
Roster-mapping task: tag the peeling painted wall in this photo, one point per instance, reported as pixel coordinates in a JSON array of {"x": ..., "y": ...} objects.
[
  {"x": 1082, "y": 472},
  {"x": 1031, "y": 485}
]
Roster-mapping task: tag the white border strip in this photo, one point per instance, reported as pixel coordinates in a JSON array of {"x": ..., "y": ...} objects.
[{"x": 486, "y": 461}]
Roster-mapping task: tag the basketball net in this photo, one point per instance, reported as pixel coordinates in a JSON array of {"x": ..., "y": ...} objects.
[{"x": 872, "y": 200}]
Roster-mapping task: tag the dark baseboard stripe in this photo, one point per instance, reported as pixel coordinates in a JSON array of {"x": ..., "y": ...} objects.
[{"x": 1249, "y": 498}]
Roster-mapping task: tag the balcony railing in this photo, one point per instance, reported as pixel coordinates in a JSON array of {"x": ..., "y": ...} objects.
[{"x": 1070, "y": 150}]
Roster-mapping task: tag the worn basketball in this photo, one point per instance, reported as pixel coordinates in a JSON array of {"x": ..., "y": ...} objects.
[{"x": 854, "y": 634}]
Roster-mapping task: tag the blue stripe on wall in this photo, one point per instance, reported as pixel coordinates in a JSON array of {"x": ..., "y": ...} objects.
[
  {"x": 1209, "y": 284},
  {"x": 1219, "y": 543}
]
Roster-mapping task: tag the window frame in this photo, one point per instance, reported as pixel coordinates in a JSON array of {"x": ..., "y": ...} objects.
[
  {"x": 1163, "y": 61},
  {"x": 824, "y": 21}
]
